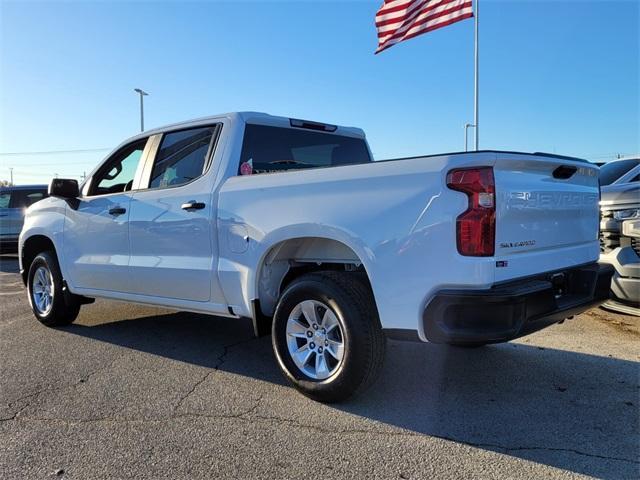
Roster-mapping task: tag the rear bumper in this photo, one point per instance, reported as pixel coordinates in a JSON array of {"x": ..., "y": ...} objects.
[{"x": 517, "y": 308}]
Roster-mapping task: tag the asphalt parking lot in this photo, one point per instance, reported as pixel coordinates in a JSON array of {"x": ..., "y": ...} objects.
[{"x": 139, "y": 392}]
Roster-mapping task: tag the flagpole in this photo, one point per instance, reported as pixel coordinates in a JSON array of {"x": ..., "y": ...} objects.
[{"x": 475, "y": 76}]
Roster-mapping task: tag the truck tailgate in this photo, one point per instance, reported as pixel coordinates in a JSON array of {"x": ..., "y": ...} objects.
[{"x": 546, "y": 213}]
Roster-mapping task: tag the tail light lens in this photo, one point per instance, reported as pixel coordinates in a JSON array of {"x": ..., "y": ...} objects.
[{"x": 476, "y": 227}]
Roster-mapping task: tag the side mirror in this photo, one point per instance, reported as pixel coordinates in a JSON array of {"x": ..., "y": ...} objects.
[{"x": 64, "y": 188}]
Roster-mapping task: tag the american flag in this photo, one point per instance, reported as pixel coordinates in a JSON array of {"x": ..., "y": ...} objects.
[{"x": 399, "y": 20}]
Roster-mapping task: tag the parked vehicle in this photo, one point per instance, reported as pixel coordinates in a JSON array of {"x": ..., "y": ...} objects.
[
  {"x": 292, "y": 224},
  {"x": 620, "y": 202},
  {"x": 619, "y": 172},
  {"x": 631, "y": 228},
  {"x": 14, "y": 201}
]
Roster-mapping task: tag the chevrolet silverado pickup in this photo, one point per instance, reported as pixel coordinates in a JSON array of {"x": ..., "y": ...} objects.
[
  {"x": 620, "y": 205},
  {"x": 290, "y": 223}
]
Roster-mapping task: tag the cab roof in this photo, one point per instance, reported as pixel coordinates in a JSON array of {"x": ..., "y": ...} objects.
[{"x": 253, "y": 118}]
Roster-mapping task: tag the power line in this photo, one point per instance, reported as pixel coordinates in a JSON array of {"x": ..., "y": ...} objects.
[
  {"x": 56, "y": 163},
  {"x": 40, "y": 174},
  {"x": 55, "y": 152},
  {"x": 49, "y": 168}
]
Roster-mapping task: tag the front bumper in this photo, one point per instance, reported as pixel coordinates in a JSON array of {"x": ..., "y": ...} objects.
[
  {"x": 511, "y": 310},
  {"x": 625, "y": 285}
]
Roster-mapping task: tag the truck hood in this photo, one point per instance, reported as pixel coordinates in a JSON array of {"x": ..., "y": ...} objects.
[{"x": 620, "y": 195}]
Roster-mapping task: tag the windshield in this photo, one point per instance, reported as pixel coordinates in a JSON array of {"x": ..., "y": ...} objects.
[
  {"x": 612, "y": 171},
  {"x": 274, "y": 149}
]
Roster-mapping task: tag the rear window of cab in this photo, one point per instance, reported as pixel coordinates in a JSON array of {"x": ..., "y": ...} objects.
[{"x": 267, "y": 149}]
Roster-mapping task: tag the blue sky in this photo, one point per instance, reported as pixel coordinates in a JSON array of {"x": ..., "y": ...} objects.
[{"x": 557, "y": 76}]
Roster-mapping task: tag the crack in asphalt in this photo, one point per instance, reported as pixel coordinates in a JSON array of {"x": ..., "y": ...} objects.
[
  {"x": 225, "y": 350},
  {"x": 17, "y": 412},
  {"x": 83, "y": 379},
  {"x": 192, "y": 389},
  {"x": 104, "y": 368},
  {"x": 246, "y": 416},
  {"x": 220, "y": 361},
  {"x": 505, "y": 449},
  {"x": 110, "y": 419},
  {"x": 571, "y": 450}
]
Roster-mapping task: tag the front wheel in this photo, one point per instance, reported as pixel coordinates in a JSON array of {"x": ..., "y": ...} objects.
[
  {"x": 46, "y": 295},
  {"x": 327, "y": 335}
]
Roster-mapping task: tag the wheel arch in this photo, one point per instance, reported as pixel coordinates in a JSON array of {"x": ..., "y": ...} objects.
[
  {"x": 31, "y": 247},
  {"x": 288, "y": 258}
]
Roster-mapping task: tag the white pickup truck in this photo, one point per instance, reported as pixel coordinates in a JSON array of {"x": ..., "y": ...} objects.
[{"x": 291, "y": 223}]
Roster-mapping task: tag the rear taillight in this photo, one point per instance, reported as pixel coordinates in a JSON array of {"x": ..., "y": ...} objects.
[{"x": 476, "y": 227}]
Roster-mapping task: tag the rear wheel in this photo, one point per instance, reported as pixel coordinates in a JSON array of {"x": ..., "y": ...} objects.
[
  {"x": 46, "y": 297},
  {"x": 327, "y": 335}
]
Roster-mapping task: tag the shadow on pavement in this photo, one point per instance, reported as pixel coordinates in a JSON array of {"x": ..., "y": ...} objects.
[{"x": 569, "y": 410}]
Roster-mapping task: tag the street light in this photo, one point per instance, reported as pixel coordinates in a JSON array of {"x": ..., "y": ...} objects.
[
  {"x": 466, "y": 131},
  {"x": 142, "y": 94}
]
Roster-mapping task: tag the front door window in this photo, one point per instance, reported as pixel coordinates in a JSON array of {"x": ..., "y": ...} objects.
[{"x": 117, "y": 174}]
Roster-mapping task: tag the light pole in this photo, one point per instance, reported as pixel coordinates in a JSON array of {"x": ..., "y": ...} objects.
[
  {"x": 466, "y": 135},
  {"x": 476, "y": 77},
  {"x": 142, "y": 94},
  {"x": 11, "y": 170}
]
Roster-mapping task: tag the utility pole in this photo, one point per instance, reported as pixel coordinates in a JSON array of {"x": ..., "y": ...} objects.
[
  {"x": 11, "y": 172},
  {"x": 142, "y": 94}
]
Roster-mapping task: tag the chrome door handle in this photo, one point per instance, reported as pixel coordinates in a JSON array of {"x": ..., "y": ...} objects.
[
  {"x": 192, "y": 205},
  {"x": 117, "y": 211}
]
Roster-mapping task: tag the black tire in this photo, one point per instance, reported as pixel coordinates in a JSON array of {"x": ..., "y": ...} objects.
[
  {"x": 351, "y": 300},
  {"x": 64, "y": 308}
]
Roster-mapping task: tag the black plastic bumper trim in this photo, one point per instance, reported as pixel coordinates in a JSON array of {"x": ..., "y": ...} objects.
[{"x": 511, "y": 310}]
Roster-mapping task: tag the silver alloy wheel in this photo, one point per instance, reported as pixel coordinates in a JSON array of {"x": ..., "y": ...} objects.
[
  {"x": 42, "y": 290},
  {"x": 315, "y": 339}
]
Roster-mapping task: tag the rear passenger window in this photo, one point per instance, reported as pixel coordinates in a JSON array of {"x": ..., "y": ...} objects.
[
  {"x": 182, "y": 156},
  {"x": 25, "y": 198},
  {"x": 5, "y": 198}
]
